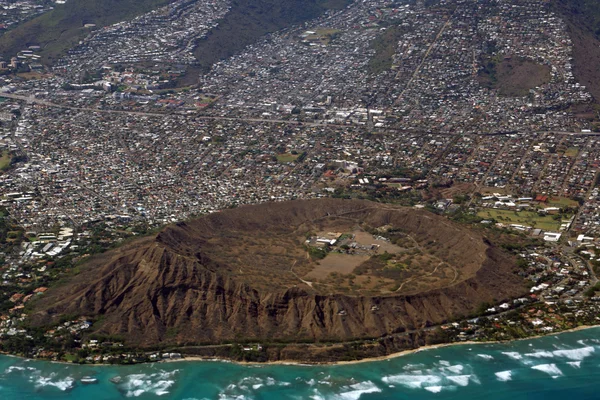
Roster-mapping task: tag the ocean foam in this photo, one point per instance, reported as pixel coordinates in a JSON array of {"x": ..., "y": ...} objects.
[
  {"x": 317, "y": 395},
  {"x": 434, "y": 389},
  {"x": 575, "y": 364},
  {"x": 412, "y": 381},
  {"x": 540, "y": 354},
  {"x": 504, "y": 376},
  {"x": 409, "y": 367},
  {"x": 62, "y": 384},
  {"x": 226, "y": 397},
  {"x": 513, "y": 354},
  {"x": 457, "y": 369},
  {"x": 550, "y": 369},
  {"x": 485, "y": 356},
  {"x": 13, "y": 368},
  {"x": 157, "y": 383},
  {"x": 575, "y": 354},
  {"x": 460, "y": 380},
  {"x": 357, "y": 390}
]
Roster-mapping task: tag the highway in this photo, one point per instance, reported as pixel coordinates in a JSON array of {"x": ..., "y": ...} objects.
[{"x": 34, "y": 100}]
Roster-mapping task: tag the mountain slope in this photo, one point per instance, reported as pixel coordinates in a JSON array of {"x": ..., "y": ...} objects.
[{"x": 60, "y": 29}]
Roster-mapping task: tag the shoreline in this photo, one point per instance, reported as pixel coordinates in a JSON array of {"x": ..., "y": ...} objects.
[
  {"x": 309, "y": 364},
  {"x": 380, "y": 358}
]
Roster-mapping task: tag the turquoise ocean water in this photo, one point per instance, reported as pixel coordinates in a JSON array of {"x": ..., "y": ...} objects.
[{"x": 554, "y": 367}]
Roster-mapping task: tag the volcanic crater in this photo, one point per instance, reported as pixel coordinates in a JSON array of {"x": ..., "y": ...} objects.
[{"x": 298, "y": 271}]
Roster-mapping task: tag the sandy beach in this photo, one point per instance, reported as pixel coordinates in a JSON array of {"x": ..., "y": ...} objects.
[{"x": 381, "y": 358}]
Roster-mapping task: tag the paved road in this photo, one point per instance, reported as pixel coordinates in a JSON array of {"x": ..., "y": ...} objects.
[{"x": 34, "y": 100}]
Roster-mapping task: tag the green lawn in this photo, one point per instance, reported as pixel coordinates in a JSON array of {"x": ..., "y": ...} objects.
[
  {"x": 562, "y": 202},
  {"x": 528, "y": 218}
]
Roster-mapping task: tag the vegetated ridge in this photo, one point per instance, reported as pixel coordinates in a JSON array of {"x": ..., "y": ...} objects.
[
  {"x": 60, "y": 29},
  {"x": 583, "y": 20},
  {"x": 172, "y": 289},
  {"x": 248, "y": 20},
  {"x": 512, "y": 76}
]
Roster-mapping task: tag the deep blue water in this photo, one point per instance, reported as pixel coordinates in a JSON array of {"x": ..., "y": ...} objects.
[{"x": 565, "y": 366}]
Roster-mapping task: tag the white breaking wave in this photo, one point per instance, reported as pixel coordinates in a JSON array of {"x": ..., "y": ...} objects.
[
  {"x": 434, "y": 389},
  {"x": 355, "y": 391},
  {"x": 409, "y": 367},
  {"x": 157, "y": 383},
  {"x": 62, "y": 384},
  {"x": 460, "y": 380},
  {"x": 412, "y": 381},
  {"x": 13, "y": 368},
  {"x": 317, "y": 395},
  {"x": 485, "y": 356},
  {"x": 540, "y": 354},
  {"x": 575, "y": 354},
  {"x": 571, "y": 354},
  {"x": 504, "y": 376},
  {"x": 575, "y": 364},
  {"x": 550, "y": 369},
  {"x": 457, "y": 369},
  {"x": 226, "y": 397},
  {"x": 513, "y": 354}
]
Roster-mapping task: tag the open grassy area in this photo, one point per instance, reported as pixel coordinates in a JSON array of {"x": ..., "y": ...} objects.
[
  {"x": 385, "y": 48},
  {"x": 562, "y": 202},
  {"x": 528, "y": 218},
  {"x": 323, "y": 35},
  {"x": 572, "y": 152},
  {"x": 512, "y": 76},
  {"x": 287, "y": 157},
  {"x": 60, "y": 29},
  {"x": 5, "y": 160}
]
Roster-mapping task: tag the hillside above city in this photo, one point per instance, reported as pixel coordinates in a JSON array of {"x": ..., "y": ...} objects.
[{"x": 293, "y": 271}]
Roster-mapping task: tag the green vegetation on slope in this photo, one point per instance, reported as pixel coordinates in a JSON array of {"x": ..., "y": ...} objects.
[
  {"x": 513, "y": 76},
  {"x": 248, "y": 20},
  {"x": 583, "y": 20},
  {"x": 586, "y": 12},
  {"x": 385, "y": 48},
  {"x": 5, "y": 160},
  {"x": 61, "y": 28}
]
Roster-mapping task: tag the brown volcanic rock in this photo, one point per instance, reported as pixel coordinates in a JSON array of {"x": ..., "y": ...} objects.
[{"x": 176, "y": 289}]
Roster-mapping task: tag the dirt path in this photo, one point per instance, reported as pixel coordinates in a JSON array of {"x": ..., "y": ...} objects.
[{"x": 296, "y": 275}]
